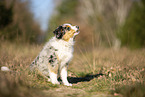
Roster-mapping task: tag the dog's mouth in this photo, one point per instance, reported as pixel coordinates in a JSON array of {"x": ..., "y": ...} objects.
[{"x": 76, "y": 33}]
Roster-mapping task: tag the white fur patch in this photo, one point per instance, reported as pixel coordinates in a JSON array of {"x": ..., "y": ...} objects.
[
  {"x": 65, "y": 49},
  {"x": 63, "y": 75},
  {"x": 72, "y": 27},
  {"x": 53, "y": 78},
  {"x": 4, "y": 68}
]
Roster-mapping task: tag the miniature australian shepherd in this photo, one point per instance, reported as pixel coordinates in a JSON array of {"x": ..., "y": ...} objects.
[{"x": 55, "y": 56}]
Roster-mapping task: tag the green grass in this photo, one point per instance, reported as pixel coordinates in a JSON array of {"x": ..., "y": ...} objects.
[{"x": 96, "y": 72}]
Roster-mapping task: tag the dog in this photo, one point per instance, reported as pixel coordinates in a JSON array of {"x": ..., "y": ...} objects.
[{"x": 55, "y": 56}]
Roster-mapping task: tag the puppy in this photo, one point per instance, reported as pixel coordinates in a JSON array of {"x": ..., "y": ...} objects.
[{"x": 54, "y": 58}]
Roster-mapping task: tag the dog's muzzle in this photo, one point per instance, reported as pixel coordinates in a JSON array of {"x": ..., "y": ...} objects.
[{"x": 77, "y": 31}]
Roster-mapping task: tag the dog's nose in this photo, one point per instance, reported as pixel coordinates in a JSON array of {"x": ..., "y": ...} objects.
[{"x": 77, "y": 27}]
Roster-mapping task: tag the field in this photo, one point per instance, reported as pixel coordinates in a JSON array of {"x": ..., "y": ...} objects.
[{"x": 96, "y": 72}]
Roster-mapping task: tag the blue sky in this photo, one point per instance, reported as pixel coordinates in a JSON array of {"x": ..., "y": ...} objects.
[{"x": 42, "y": 10}]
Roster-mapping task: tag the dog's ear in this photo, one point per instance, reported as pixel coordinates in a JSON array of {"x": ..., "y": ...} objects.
[{"x": 59, "y": 32}]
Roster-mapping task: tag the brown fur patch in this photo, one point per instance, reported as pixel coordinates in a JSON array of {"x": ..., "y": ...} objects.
[
  {"x": 68, "y": 35},
  {"x": 53, "y": 69}
]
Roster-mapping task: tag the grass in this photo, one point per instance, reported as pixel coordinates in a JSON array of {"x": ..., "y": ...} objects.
[{"x": 97, "y": 72}]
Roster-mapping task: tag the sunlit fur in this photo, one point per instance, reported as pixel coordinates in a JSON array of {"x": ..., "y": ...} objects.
[
  {"x": 71, "y": 33},
  {"x": 61, "y": 47},
  {"x": 68, "y": 35}
]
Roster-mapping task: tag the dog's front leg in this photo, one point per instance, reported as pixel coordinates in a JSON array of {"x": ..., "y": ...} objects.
[
  {"x": 63, "y": 74},
  {"x": 53, "y": 77}
]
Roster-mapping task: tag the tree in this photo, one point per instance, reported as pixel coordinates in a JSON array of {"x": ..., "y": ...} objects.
[
  {"x": 17, "y": 22},
  {"x": 133, "y": 31}
]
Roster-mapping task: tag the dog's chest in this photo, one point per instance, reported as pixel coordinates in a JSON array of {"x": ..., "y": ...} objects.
[
  {"x": 64, "y": 49},
  {"x": 65, "y": 54}
]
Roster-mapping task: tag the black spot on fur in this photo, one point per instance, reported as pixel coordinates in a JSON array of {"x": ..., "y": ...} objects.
[
  {"x": 59, "y": 32},
  {"x": 52, "y": 58},
  {"x": 68, "y": 28},
  {"x": 77, "y": 27},
  {"x": 37, "y": 58},
  {"x": 56, "y": 49}
]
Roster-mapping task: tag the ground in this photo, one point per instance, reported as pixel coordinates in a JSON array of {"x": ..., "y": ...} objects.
[{"x": 97, "y": 72}]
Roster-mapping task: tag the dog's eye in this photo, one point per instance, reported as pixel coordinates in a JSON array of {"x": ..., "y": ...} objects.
[{"x": 68, "y": 28}]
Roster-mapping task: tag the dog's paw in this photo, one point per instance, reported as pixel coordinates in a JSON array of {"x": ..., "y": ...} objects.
[
  {"x": 56, "y": 82},
  {"x": 68, "y": 84}
]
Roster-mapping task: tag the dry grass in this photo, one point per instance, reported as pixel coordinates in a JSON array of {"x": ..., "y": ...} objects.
[
  {"x": 15, "y": 83},
  {"x": 121, "y": 69},
  {"x": 96, "y": 72}
]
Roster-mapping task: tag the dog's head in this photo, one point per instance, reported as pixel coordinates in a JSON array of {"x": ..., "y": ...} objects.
[{"x": 66, "y": 31}]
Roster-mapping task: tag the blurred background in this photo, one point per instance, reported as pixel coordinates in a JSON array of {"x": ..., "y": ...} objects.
[
  {"x": 112, "y": 23},
  {"x": 109, "y": 51}
]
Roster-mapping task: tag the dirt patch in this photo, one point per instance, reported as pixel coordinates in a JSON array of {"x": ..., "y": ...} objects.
[{"x": 64, "y": 92}]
